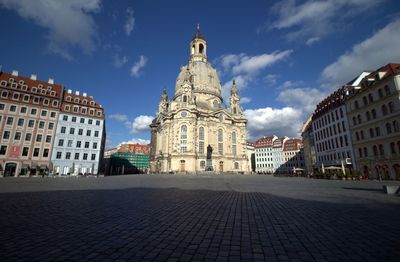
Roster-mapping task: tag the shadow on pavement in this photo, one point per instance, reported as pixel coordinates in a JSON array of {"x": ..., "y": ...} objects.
[
  {"x": 160, "y": 224},
  {"x": 365, "y": 189}
]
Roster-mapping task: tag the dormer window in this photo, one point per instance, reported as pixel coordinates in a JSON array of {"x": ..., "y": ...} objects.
[
  {"x": 68, "y": 99},
  {"x": 76, "y": 100},
  {"x": 98, "y": 113},
  {"x": 92, "y": 103},
  {"x": 76, "y": 109},
  {"x": 49, "y": 88},
  {"x": 55, "y": 103},
  {"x": 84, "y": 101},
  {"x": 40, "y": 86},
  {"x": 21, "y": 82},
  {"x": 43, "y": 91},
  {"x": 34, "y": 89},
  {"x": 11, "y": 80},
  {"x": 66, "y": 108},
  {"x": 24, "y": 87},
  {"x": 46, "y": 101},
  {"x": 91, "y": 112},
  {"x": 3, "y": 83},
  {"x": 14, "y": 85},
  {"x": 52, "y": 93}
]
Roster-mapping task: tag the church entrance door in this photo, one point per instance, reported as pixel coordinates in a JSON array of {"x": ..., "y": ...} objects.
[
  {"x": 183, "y": 166},
  {"x": 221, "y": 166}
]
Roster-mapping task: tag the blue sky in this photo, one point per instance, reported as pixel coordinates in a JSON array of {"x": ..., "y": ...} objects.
[{"x": 285, "y": 55}]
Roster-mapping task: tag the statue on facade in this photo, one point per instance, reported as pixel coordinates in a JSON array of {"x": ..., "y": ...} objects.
[{"x": 209, "y": 151}]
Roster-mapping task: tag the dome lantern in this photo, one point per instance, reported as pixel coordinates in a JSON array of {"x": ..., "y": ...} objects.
[{"x": 198, "y": 47}]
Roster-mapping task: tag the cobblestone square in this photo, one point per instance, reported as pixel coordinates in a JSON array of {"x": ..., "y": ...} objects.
[{"x": 197, "y": 218}]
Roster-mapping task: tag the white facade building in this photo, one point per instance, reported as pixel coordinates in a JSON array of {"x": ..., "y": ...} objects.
[{"x": 79, "y": 142}]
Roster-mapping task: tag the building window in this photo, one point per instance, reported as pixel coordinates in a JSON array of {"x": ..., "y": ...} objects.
[
  {"x": 39, "y": 138},
  {"x": 68, "y": 155},
  {"x": 53, "y": 114},
  {"x": 370, "y": 98},
  {"x": 63, "y": 129},
  {"x": 13, "y": 108},
  {"x": 96, "y": 133},
  {"x": 82, "y": 121},
  {"x": 33, "y": 111},
  {"x": 58, "y": 155},
  {"x": 43, "y": 113},
  {"x": 388, "y": 128},
  {"x": 396, "y": 126},
  {"x": 93, "y": 156},
  {"x": 25, "y": 151},
  {"x": 392, "y": 148},
  {"x": 365, "y": 101},
  {"x": 356, "y": 104},
  {"x": 20, "y": 122},
  {"x": 61, "y": 142},
  {"x": 1, "y": 107},
  {"x": 381, "y": 150},
  {"x": 373, "y": 111},
  {"x": 377, "y": 131},
  {"x": 220, "y": 142},
  {"x": 46, "y": 152},
  {"x": 236, "y": 165},
  {"x": 69, "y": 144},
  {"x": 23, "y": 110},
  {"x": 41, "y": 124},
  {"x": 85, "y": 155},
  {"x": 86, "y": 144},
  {"x": 234, "y": 143},
  {"x": 71, "y": 131},
  {"x": 387, "y": 90},
  {"x": 390, "y": 105},
  {"x": 10, "y": 120},
  {"x": 95, "y": 145},
  {"x": 28, "y": 137},
  {"x": 88, "y": 132},
  {"x": 201, "y": 140},
  {"x": 74, "y": 119},
  {"x": 76, "y": 156},
  {"x": 365, "y": 152},
  {"x": 3, "y": 150},
  {"x": 97, "y": 122},
  {"x": 368, "y": 115},
  {"x": 36, "y": 152},
  {"x": 90, "y": 121},
  {"x": 384, "y": 110},
  {"x": 6, "y": 135},
  {"x": 380, "y": 93},
  {"x": 78, "y": 144},
  {"x": 80, "y": 131},
  {"x": 51, "y": 125},
  {"x": 17, "y": 136},
  {"x": 65, "y": 118},
  {"x": 183, "y": 139},
  {"x": 48, "y": 139}
]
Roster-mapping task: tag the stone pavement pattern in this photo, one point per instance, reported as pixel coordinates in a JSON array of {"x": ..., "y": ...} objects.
[{"x": 179, "y": 219}]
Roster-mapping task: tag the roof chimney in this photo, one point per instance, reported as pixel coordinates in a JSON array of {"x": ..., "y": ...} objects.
[
  {"x": 51, "y": 81},
  {"x": 15, "y": 73},
  {"x": 77, "y": 93},
  {"x": 69, "y": 91},
  {"x": 84, "y": 94},
  {"x": 33, "y": 77}
]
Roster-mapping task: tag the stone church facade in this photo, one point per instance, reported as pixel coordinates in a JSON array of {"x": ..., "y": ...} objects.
[{"x": 195, "y": 118}]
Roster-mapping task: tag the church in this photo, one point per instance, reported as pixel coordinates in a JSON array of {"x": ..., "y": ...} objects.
[{"x": 195, "y": 132}]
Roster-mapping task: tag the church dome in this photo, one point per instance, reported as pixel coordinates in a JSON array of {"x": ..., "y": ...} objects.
[{"x": 198, "y": 73}]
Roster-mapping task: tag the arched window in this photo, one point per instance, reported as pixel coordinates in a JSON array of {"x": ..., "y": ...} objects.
[
  {"x": 392, "y": 148},
  {"x": 391, "y": 109},
  {"x": 380, "y": 93},
  {"x": 183, "y": 139},
  {"x": 375, "y": 149},
  {"x": 356, "y": 104},
  {"x": 220, "y": 142},
  {"x": 359, "y": 119},
  {"x": 365, "y": 152},
  {"x": 236, "y": 165},
  {"x": 234, "y": 143},
  {"x": 384, "y": 110},
  {"x": 368, "y": 115},
  {"x": 68, "y": 98},
  {"x": 370, "y": 98},
  {"x": 396, "y": 126},
  {"x": 192, "y": 50},
  {"x": 365, "y": 100},
  {"x": 234, "y": 110},
  {"x": 373, "y": 111},
  {"x": 184, "y": 99},
  {"x": 381, "y": 150},
  {"x": 371, "y": 132},
  {"x": 201, "y": 48},
  {"x": 388, "y": 128},
  {"x": 387, "y": 90},
  {"x": 201, "y": 140},
  {"x": 354, "y": 121}
]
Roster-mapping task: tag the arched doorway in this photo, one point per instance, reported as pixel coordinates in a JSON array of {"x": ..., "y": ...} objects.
[
  {"x": 221, "y": 166},
  {"x": 10, "y": 169},
  {"x": 182, "y": 169}
]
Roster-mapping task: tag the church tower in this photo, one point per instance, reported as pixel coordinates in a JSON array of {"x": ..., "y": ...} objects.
[{"x": 196, "y": 119}]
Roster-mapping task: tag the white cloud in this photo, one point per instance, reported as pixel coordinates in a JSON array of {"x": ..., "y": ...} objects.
[
  {"x": 120, "y": 61},
  {"x": 135, "y": 70},
  {"x": 267, "y": 121},
  {"x": 244, "y": 64},
  {"x": 381, "y": 48},
  {"x": 141, "y": 123},
  {"x": 119, "y": 117},
  {"x": 304, "y": 99},
  {"x": 271, "y": 79},
  {"x": 130, "y": 21},
  {"x": 136, "y": 141},
  {"x": 316, "y": 18},
  {"x": 245, "y": 100},
  {"x": 312, "y": 40},
  {"x": 69, "y": 23}
]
